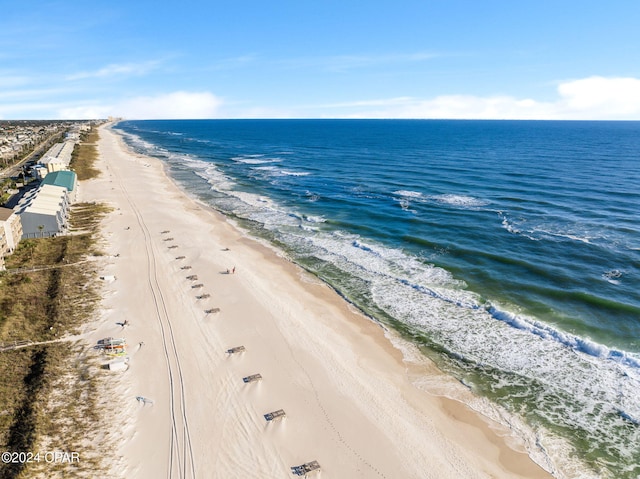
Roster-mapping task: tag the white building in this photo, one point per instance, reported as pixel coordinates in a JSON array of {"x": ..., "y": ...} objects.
[
  {"x": 58, "y": 157},
  {"x": 11, "y": 226},
  {"x": 44, "y": 212}
]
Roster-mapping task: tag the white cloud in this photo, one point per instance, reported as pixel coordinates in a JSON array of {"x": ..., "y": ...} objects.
[
  {"x": 610, "y": 98},
  {"x": 593, "y": 98},
  {"x": 86, "y": 112},
  {"x": 25, "y": 110},
  {"x": 117, "y": 70},
  {"x": 176, "y": 105}
]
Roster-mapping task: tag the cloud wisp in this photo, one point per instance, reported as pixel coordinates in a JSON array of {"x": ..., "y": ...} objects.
[
  {"x": 593, "y": 98},
  {"x": 116, "y": 70},
  {"x": 175, "y": 105}
]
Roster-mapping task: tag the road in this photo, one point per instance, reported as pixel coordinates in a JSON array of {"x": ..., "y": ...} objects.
[{"x": 16, "y": 169}]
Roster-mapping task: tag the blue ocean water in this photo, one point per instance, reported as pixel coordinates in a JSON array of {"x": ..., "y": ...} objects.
[{"x": 509, "y": 251}]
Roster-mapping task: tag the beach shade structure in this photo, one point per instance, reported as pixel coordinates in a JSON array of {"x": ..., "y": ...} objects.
[
  {"x": 168, "y": 239},
  {"x": 144, "y": 400},
  {"x": 252, "y": 378},
  {"x": 203, "y": 296},
  {"x": 173, "y": 246},
  {"x": 180, "y": 257},
  {"x": 165, "y": 232},
  {"x": 199, "y": 285},
  {"x": 212, "y": 310},
  {"x": 279, "y": 414},
  {"x": 185, "y": 267},
  {"x": 306, "y": 468},
  {"x": 236, "y": 349},
  {"x": 192, "y": 277}
]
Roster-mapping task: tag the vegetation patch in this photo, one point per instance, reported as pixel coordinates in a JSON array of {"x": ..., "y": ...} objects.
[
  {"x": 49, "y": 393},
  {"x": 85, "y": 155}
]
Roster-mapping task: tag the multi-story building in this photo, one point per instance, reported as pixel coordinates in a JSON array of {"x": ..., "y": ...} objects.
[
  {"x": 10, "y": 232},
  {"x": 44, "y": 212}
]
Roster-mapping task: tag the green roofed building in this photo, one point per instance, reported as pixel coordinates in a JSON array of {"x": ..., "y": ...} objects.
[{"x": 66, "y": 179}]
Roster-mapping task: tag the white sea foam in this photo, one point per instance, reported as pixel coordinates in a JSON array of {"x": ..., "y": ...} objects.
[
  {"x": 252, "y": 160},
  {"x": 294, "y": 173},
  {"x": 265, "y": 168},
  {"x": 409, "y": 194},
  {"x": 460, "y": 200},
  {"x": 569, "y": 236},
  {"x": 597, "y": 378},
  {"x": 210, "y": 173}
]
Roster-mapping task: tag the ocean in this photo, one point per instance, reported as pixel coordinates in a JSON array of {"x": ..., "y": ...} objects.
[{"x": 507, "y": 251}]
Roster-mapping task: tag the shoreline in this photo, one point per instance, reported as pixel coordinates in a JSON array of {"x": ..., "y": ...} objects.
[{"x": 347, "y": 391}]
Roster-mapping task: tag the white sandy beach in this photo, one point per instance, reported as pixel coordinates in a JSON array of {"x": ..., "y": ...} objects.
[{"x": 348, "y": 395}]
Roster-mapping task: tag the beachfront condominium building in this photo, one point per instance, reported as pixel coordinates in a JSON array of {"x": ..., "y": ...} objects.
[
  {"x": 44, "y": 212},
  {"x": 58, "y": 157},
  {"x": 10, "y": 233},
  {"x": 11, "y": 227},
  {"x": 66, "y": 179}
]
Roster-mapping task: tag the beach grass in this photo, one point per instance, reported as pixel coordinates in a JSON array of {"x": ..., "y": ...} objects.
[
  {"x": 85, "y": 155},
  {"x": 49, "y": 393}
]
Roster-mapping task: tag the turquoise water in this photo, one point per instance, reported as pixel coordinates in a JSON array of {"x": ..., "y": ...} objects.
[{"x": 510, "y": 251}]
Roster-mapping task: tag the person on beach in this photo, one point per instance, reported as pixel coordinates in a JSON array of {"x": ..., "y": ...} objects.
[{"x": 233, "y": 270}]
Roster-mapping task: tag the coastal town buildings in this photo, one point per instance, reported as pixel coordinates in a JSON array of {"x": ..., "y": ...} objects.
[
  {"x": 18, "y": 137},
  {"x": 42, "y": 211}
]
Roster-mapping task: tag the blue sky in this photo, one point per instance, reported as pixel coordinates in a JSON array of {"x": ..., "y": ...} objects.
[{"x": 561, "y": 59}]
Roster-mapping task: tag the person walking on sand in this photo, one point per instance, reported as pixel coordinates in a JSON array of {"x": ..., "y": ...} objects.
[{"x": 233, "y": 270}]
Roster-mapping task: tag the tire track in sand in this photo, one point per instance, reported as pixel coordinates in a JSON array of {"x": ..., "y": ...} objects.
[{"x": 180, "y": 462}]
